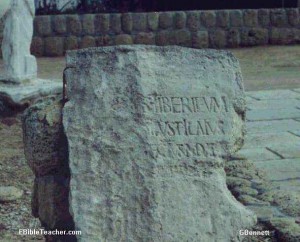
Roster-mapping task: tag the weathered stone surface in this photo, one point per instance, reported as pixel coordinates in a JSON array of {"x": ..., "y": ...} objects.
[
  {"x": 71, "y": 43},
  {"x": 200, "y": 39},
  {"x": 162, "y": 38},
  {"x": 59, "y": 24},
  {"x": 127, "y": 22},
  {"x": 282, "y": 36},
  {"x": 51, "y": 204},
  {"x": 278, "y": 17},
  {"x": 136, "y": 175},
  {"x": 140, "y": 21},
  {"x": 46, "y": 151},
  {"x": 145, "y": 38},
  {"x": 193, "y": 20},
  {"x": 223, "y": 18},
  {"x": 10, "y": 193},
  {"x": 233, "y": 37},
  {"x": 269, "y": 138},
  {"x": 87, "y": 41},
  {"x": 152, "y": 20},
  {"x": 115, "y": 23},
  {"x": 180, "y": 20},
  {"x": 273, "y": 114},
  {"x": 293, "y": 16},
  {"x": 74, "y": 24},
  {"x": 272, "y": 126},
  {"x": 44, "y": 140},
  {"x": 37, "y": 46},
  {"x": 208, "y": 18},
  {"x": 250, "y": 18},
  {"x": 258, "y": 154},
  {"x": 99, "y": 41},
  {"x": 236, "y": 18},
  {"x": 273, "y": 104},
  {"x": 102, "y": 23},
  {"x": 165, "y": 20},
  {"x": 183, "y": 37},
  {"x": 29, "y": 91},
  {"x": 88, "y": 24},
  {"x": 274, "y": 95},
  {"x": 19, "y": 64},
  {"x": 124, "y": 39},
  {"x": 54, "y": 46},
  {"x": 263, "y": 17},
  {"x": 42, "y": 25},
  {"x": 218, "y": 38},
  {"x": 254, "y": 36},
  {"x": 282, "y": 170},
  {"x": 287, "y": 151},
  {"x": 108, "y": 40}
]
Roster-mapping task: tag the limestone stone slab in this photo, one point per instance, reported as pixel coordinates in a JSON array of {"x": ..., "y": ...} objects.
[
  {"x": 273, "y": 94},
  {"x": 272, "y": 104},
  {"x": 288, "y": 185},
  {"x": 268, "y": 139},
  {"x": 272, "y": 126},
  {"x": 30, "y": 90},
  {"x": 281, "y": 170},
  {"x": 141, "y": 170},
  {"x": 272, "y": 114},
  {"x": 258, "y": 154},
  {"x": 295, "y": 132},
  {"x": 287, "y": 150},
  {"x": 249, "y": 99}
]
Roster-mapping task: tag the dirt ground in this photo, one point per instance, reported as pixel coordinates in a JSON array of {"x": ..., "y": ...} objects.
[
  {"x": 15, "y": 172},
  {"x": 272, "y": 67}
]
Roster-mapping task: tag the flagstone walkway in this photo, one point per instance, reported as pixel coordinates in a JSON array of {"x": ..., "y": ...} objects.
[{"x": 273, "y": 135}]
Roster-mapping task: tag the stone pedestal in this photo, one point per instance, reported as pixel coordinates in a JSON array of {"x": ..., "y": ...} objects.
[
  {"x": 149, "y": 129},
  {"x": 15, "y": 98}
]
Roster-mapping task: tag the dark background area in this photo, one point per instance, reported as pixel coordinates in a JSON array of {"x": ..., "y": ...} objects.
[{"x": 100, "y": 6}]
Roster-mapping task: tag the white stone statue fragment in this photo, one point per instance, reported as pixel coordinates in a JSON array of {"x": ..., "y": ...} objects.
[{"x": 19, "y": 64}]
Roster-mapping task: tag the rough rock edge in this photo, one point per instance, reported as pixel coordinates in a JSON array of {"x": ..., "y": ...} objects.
[{"x": 47, "y": 113}]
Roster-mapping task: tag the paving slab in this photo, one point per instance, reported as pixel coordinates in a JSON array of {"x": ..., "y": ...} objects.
[
  {"x": 286, "y": 171},
  {"x": 295, "y": 132},
  {"x": 272, "y": 126},
  {"x": 258, "y": 154},
  {"x": 272, "y": 114},
  {"x": 250, "y": 99},
  {"x": 286, "y": 150},
  {"x": 260, "y": 140},
  {"x": 274, "y": 94},
  {"x": 272, "y": 104}
]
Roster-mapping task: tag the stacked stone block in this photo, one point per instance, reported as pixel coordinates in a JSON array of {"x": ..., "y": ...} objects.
[{"x": 198, "y": 29}]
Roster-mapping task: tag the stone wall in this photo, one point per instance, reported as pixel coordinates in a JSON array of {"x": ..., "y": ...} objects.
[
  {"x": 199, "y": 29},
  {"x": 54, "y": 34}
]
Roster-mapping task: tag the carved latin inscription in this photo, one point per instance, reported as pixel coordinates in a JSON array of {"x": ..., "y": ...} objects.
[
  {"x": 198, "y": 121},
  {"x": 163, "y": 104}
]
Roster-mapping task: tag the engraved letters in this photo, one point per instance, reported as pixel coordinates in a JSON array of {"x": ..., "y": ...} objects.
[
  {"x": 186, "y": 118},
  {"x": 160, "y": 104}
]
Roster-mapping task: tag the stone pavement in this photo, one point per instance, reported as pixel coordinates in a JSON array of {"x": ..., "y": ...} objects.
[{"x": 273, "y": 135}]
